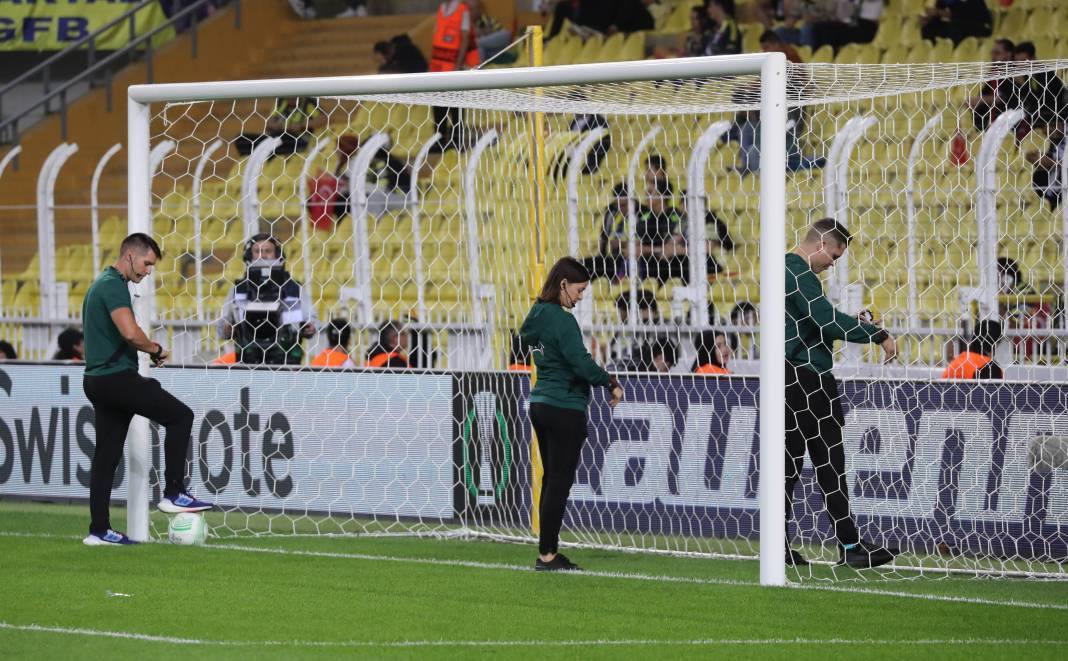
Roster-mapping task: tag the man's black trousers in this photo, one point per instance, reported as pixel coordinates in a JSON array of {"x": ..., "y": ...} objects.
[
  {"x": 814, "y": 420},
  {"x": 116, "y": 398}
]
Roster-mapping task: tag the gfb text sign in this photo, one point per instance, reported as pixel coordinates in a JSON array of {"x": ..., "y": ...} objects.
[
  {"x": 46, "y": 25},
  {"x": 343, "y": 442}
]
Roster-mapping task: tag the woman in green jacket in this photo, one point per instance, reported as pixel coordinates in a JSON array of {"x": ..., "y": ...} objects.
[{"x": 565, "y": 372}]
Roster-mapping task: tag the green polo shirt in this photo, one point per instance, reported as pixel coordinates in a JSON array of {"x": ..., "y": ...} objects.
[{"x": 103, "y": 341}]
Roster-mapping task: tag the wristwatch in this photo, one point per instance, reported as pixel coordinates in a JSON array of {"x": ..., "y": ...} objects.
[{"x": 155, "y": 356}]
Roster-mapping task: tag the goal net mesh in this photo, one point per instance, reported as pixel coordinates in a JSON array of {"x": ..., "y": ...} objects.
[{"x": 371, "y": 382}]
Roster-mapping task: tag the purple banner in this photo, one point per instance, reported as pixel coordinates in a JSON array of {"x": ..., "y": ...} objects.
[{"x": 929, "y": 465}]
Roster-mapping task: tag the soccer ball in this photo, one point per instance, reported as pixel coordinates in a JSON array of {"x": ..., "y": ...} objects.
[{"x": 187, "y": 529}]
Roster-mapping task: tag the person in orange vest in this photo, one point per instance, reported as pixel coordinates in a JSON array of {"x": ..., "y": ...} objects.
[
  {"x": 453, "y": 48},
  {"x": 391, "y": 350},
  {"x": 978, "y": 361},
  {"x": 713, "y": 352},
  {"x": 229, "y": 358},
  {"x": 338, "y": 334},
  {"x": 519, "y": 356}
]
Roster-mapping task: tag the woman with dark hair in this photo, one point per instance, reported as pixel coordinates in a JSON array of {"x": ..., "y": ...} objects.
[
  {"x": 565, "y": 372},
  {"x": 713, "y": 352},
  {"x": 71, "y": 345}
]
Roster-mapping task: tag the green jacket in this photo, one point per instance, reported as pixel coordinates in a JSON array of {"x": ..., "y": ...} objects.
[
  {"x": 812, "y": 323},
  {"x": 566, "y": 370}
]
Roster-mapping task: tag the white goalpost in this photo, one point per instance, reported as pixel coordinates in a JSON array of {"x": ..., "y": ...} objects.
[
  {"x": 771, "y": 70},
  {"x": 680, "y": 184}
]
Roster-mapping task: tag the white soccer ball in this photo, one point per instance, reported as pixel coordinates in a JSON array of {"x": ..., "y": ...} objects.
[{"x": 187, "y": 529}]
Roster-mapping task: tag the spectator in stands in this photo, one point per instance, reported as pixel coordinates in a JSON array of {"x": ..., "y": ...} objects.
[
  {"x": 996, "y": 95},
  {"x": 717, "y": 236},
  {"x": 338, "y": 334},
  {"x": 399, "y": 55},
  {"x": 700, "y": 32},
  {"x": 490, "y": 36},
  {"x": 391, "y": 349},
  {"x": 611, "y": 259},
  {"x": 388, "y": 182},
  {"x": 656, "y": 355},
  {"x": 519, "y": 359},
  {"x": 713, "y": 353},
  {"x": 631, "y": 16},
  {"x": 978, "y": 361},
  {"x": 7, "y": 351},
  {"x": 957, "y": 20},
  {"x": 662, "y": 247},
  {"x": 791, "y": 14},
  {"x": 840, "y": 22},
  {"x": 648, "y": 308},
  {"x": 1020, "y": 307},
  {"x": 294, "y": 120},
  {"x": 71, "y": 345},
  {"x": 725, "y": 37},
  {"x": 744, "y": 313},
  {"x": 1042, "y": 95},
  {"x": 588, "y": 122},
  {"x": 1046, "y": 177}
]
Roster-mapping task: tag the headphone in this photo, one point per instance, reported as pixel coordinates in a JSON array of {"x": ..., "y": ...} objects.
[{"x": 263, "y": 236}]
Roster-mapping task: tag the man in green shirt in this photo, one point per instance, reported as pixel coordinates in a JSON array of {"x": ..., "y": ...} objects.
[
  {"x": 118, "y": 392},
  {"x": 814, "y": 417}
]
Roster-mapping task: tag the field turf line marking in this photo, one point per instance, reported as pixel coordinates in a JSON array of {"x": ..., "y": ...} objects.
[
  {"x": 641, "y": 577},
  {"x": 174, "y": 640},
  {"x": 693, "y": 580}
]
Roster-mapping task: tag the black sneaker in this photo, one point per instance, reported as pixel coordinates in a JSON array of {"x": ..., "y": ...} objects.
[
  {"x": 865, "y": 555},
  {"x": 795, "y": 559},
  {"x": 558, "y": 563}
]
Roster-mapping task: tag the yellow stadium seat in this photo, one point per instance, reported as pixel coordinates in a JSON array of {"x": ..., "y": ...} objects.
[{"x": 589, "y": 51}]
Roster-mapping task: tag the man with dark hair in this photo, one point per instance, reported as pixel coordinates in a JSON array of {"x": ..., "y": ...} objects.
[
  {"x": 1042, "y": 95},
  {"x": 117, "y": 392},
  {"x": 338, "y": 334},
  {"x": 978, "y": 361},
  {"x": 71, "y": 345},
  {"x": 997, "y": 94},
  {"x": 399, "y": 55},
  {"x": 610, "y": 261},
  {"x": 648, "y": 309},
  {"x": 957, "y": 20},
  {"x": 814, "y": 417},
  {"x": 267, "y": 314},
  {"x": 7, "y": 351}
]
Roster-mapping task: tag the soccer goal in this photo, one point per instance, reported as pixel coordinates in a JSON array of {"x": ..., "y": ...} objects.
[{"x": 411, "y": 219}]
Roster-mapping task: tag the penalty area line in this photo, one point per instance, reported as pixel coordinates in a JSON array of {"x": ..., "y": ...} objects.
[{"x": 637, "y": 642}]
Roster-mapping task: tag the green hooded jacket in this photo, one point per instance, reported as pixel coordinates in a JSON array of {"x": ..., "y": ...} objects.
[
  {"x": 566, "y": 370},
  {"x": 813, "y": 324}
]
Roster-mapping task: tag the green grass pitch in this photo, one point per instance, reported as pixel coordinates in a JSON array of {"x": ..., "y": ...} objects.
[{"x": 336, "y": 597}]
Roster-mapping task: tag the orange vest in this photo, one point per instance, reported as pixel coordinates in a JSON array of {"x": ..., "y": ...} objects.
[
  {"x": 330, "y": 358},
  {"x": 447, "y": 34},
  {"x": 380, "y": 359},
  {"x": 709, "y": 368},
  {"x": 966, "y": 365},
  {"x": 226, "y": 359},
  {"x": 519, "y": 367}
]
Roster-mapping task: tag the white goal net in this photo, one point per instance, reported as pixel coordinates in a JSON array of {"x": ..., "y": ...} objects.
[{"x": 371, "y": 381}]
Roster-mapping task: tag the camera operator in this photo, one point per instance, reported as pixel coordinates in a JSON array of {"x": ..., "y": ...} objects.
[{"x": 267, "y": 314}]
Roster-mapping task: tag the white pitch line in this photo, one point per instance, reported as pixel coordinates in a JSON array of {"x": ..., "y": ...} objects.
[
  {"x": 711, "y": 642},
  {"x": 641, "y": 577},
  {"x": 693, "y": 580}
]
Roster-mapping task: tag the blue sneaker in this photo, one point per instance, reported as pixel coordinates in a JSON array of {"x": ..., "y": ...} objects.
[
  {"x": 182, "y": 502},
  {"x": 110, "y": 538}
]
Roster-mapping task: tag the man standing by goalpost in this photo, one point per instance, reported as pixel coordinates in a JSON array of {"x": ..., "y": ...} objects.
[
  {"x": 118, "y": 392},
  {"x": 814, "y": 416}
]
